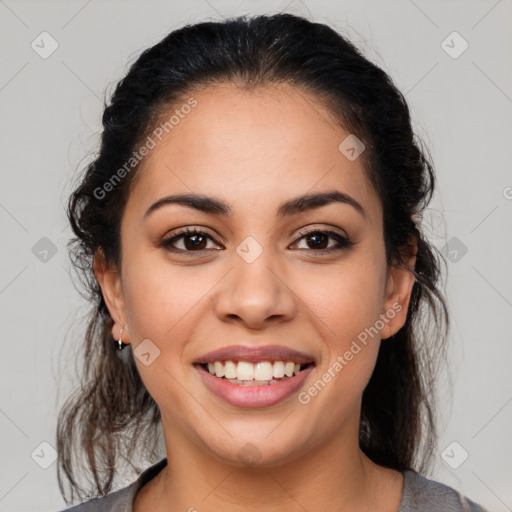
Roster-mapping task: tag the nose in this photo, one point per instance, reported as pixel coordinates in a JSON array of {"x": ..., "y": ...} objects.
[{"x": 256, "y": 294}]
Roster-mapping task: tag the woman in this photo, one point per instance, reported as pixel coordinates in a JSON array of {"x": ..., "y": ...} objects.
[{"x": 250, "y": 233}]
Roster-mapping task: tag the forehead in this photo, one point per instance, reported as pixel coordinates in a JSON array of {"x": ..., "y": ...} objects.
[{"x": 251, "y": 146}]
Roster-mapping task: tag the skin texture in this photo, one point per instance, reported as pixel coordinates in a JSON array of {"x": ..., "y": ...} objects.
[{"x": 254, "y": 150}]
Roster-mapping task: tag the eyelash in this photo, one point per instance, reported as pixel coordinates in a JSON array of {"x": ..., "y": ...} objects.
[{"x": 344, "y": 242}]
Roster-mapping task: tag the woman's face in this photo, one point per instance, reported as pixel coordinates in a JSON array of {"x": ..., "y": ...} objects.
[{"x": 252, "y": 283}]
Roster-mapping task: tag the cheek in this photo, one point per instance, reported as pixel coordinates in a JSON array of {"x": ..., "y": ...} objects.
[
  {"x": 152, "y": 304},
  {"x": 345, "y": 306},
  {"x": 164, "y": 302},
  {"x": 346, "y": 300},
  {"x": 160, "y": 309}
]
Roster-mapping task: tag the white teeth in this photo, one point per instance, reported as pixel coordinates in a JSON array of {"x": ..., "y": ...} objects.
[
  {"x": 288, "y": 368},
  {"x": 279, "y": 370},
  {"x": 218, "y": 369},
  {"x": 245, "y": 371},
  {"x": 261, "y": 372},
  {"x": 230, "y": 370}
]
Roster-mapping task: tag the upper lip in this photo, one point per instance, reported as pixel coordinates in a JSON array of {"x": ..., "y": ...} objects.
[{"x": 255, "y": 354}]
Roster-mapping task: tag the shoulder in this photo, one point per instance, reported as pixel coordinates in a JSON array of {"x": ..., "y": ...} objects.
[
  {"x": 423, "y": 495},
  {"x": 118, "y": 501},
  {"x": 121, "y": 500}
]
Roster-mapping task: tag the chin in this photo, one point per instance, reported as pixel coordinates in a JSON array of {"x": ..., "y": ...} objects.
[{"x": 260, "y": 451}]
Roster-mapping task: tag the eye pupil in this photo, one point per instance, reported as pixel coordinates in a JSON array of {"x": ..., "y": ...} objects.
[
  {"x": 316, "y": 237},
  {"x": 196, "y": 243}
]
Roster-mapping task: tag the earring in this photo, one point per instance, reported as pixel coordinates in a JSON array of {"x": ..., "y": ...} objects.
[{"x": 121, "y": 345}]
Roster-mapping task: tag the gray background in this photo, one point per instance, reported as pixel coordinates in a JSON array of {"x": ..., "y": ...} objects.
[{"x": 50, "y": 119}]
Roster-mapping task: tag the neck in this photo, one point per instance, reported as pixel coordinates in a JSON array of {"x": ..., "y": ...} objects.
[{"x": 336, "y": 476}]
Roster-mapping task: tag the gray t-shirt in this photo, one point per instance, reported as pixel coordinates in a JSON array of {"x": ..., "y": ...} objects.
[{"x": 419, "y": 495}]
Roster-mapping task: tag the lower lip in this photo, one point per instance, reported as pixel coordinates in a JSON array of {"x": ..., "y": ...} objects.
[{"x": 252, "y": 396}]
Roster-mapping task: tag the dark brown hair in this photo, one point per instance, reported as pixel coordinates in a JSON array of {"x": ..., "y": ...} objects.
[{"x": 112, "y": 416}]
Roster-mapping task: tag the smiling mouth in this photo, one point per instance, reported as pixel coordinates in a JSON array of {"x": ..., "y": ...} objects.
[{"x": 263, "y": 373}]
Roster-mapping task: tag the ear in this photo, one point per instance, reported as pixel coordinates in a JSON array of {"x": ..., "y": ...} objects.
[
  {"x": 109, "y": 279},
  {"x": 399, "y": 286}
]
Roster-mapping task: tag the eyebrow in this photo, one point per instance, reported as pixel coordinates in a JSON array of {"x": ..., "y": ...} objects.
[{"x": 291, "y": 207}]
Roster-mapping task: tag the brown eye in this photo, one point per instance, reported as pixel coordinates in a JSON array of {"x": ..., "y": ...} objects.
[
  {"x": 318, "y": 241},
  {"x": 195, "y": 241},
  {"x": 191, "y": 240}
]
